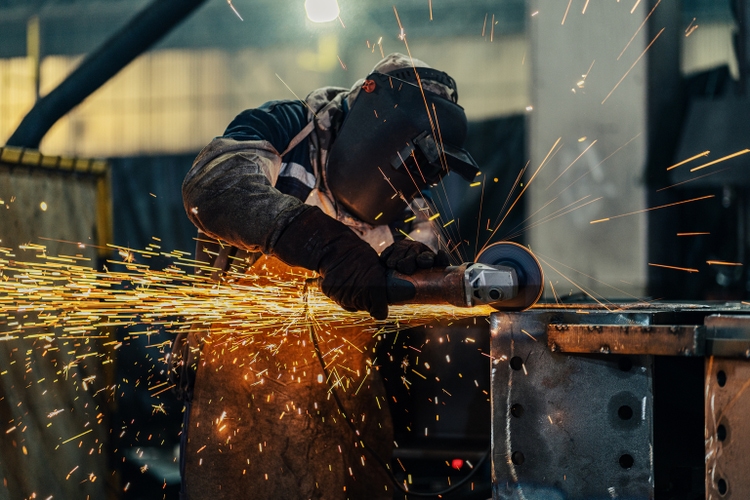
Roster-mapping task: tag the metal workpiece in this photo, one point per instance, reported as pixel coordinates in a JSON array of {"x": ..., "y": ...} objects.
[
  {"x": 727, "y": 411},
  {"x": 728, "y": 335},
  {"x": 567, "y": 426},
  {"x": 596, "y": 403},
  {"x": 727, "y": 406},
  {"x": 660, "y": 340}
]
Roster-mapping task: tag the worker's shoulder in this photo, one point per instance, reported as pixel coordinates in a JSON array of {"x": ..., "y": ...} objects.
[
  {"x": 274, "y": 121},
  {"x": 285, "y": 109}
]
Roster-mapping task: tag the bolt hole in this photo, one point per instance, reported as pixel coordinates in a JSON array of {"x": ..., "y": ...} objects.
[
  {"x": 516, "y": 410},
  {"x": 626, "y": 461},
  {"x": 721, "y": 378},
  {"x": 516, "y": 363},
  {"x": 625, "y": 364},
  {"x": 722, "y": 486},
  {"x": 517, "y": 458},
  {"x": 721, "y": 433},
  {"x": 625, "y": 412},
  {"x": 494, "y": 294}
]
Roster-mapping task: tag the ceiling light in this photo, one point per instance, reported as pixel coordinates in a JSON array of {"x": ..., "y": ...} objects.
[{"x": 322, "y": 11}]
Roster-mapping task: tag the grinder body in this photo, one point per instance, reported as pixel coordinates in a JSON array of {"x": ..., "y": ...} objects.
[{"x": 506, "y": 276}]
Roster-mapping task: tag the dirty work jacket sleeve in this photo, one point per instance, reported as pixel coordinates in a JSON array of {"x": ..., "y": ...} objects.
[{"x": 229, "y": 194}]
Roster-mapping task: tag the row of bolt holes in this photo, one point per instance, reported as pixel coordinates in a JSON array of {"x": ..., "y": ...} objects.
[
  {"x": 721, "y": 433},
  {"x": 625, "y": 412}
]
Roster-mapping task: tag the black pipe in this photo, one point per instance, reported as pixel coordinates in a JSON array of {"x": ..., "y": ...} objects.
[{"x": 145, "y": 29}]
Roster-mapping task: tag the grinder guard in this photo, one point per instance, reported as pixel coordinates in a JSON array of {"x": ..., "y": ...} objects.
[{"x": 389, "y": 149}]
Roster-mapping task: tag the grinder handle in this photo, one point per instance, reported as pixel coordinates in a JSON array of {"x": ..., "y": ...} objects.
[{"x": 428, "y": 286}]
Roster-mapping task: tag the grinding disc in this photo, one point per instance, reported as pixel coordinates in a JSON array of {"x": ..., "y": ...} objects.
[{"x": 528, "y": 269}]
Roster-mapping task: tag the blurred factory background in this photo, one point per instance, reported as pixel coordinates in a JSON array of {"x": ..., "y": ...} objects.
[{"x": 604, "y": 95}]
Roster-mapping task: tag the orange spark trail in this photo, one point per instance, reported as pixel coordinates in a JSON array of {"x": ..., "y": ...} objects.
[
  {"x": 691, "y": 234},
  {"x": 686, "y": 269},
  {"x": 653, "y": 208},
  {"x": 541, "y": 165},
  {"x": 722, "y": 263},
  {"x": 585, "y": 6},
  {"x": 738, "y": 153},
  {"x": 555, "y": 215},
  {"x": 705, "y": 153},
  {"x": 295, "y": 95},
  {"x": 566, "y": 168},
  {"x": 512, "y": 190},
  {"x": 635, "y": 6},
  {"x": 639, "y": 29},
  {"x": 599, "y": 164},
  {"x": 638, "y": 299},
  {"x": 234, "y": 9},
  {"x": 633, "y": 65},
  {"x": 566, "y": 12},
  {"x": 693, "y": 179},
  {"x": 575, "y": 284}
]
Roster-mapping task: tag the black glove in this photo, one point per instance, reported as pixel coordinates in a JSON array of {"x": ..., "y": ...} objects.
[
  {"x": 352, "y": 274},
  {"x": 406, "y": 256}
]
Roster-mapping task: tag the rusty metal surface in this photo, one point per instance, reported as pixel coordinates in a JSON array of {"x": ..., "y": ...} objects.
[
  {"x": 727, "y": 413},
  {"x": 567, "y": 426},
  {"x": 561, "y": 376},
  {"x": 728, "y": 335},
  {"x": 664, "y": 340}
]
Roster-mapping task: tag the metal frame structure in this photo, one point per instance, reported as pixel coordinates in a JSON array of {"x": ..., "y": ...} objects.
[{"x": 581, "y": 396}]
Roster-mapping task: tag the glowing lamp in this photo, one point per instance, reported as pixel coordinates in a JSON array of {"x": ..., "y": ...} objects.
[{"x": 322, "y": 11}]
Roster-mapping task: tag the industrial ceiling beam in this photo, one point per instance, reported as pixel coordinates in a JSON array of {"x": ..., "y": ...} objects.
[{"x": 145, "y": 29}]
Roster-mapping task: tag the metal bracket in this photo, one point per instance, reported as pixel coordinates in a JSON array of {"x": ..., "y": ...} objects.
[{"x": 660, "y": 340}]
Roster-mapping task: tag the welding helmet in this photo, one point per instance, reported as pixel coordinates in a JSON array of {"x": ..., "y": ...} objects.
[{"x": 397, "y": 139}]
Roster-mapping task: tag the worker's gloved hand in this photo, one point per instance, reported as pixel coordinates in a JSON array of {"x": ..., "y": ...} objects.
[
  {"x": 352, "y": 273},
  {"x": 406, "y": 256}
]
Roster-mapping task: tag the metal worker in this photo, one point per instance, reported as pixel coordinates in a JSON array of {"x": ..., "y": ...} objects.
[{"x": 318, "y": 185}]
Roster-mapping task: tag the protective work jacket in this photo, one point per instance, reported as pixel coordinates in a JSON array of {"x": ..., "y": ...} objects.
[{"x": 261, "y": 419}]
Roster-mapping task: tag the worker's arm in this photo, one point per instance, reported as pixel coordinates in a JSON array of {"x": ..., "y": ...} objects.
[{"x": 229, "y": 195}]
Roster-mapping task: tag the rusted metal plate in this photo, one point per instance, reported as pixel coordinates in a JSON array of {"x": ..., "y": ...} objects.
[
  {"x": 727, "y": 406},
  {"x": 567, "y": 427},
  {"x": 728, "y": 336},
  {"x": 660, "y": 340}
]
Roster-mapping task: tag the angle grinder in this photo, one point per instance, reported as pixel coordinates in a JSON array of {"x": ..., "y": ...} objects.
[{"x": 505, "y": 276}]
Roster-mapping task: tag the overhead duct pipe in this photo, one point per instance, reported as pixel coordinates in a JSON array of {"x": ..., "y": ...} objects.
[{"x": 145, "y": 29}]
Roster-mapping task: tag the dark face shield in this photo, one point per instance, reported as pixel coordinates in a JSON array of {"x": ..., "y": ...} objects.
[{"x": 395, "y": 141}]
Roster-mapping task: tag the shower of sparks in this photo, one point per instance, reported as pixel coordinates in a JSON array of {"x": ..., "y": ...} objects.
[
  {"x": 633, "y": 65},
  {"x": 689, "y": 30},
  {"x": 234, "y": 10},
  {"x": 705, "y": 153},
  {"x": 586, "y": 292},
  {"x": 554, "y": 215},
  {"x": 637, "y": 299},
  {"x": 568, "y": 167},
  {"x": 539, "y": 168},
  {"x": 693, "y": 179},
  {"x": 65, "y": 299},
  {"x": 566, "y": 12},
  {"x": 686, "y": 269},
  {"x": 722, "y": 263},
  {"x": 653, "y": 208},
  {"x": 728, "y": 157},
  {"x": 588, "y": 172}
]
